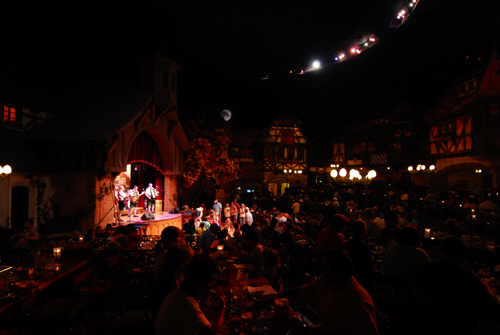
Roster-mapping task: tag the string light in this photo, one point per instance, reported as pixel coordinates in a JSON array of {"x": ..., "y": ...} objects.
[{"x": 403, "y": 13}]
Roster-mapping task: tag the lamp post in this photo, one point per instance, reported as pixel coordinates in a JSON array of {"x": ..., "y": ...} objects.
[
  {"x": 421, "y": 168},
  {"x": 290, "y": 171},
  {"x": 340, "y": 177},
  {"x": 365, "y": 180},
  {"x": 5, "y": 171}
]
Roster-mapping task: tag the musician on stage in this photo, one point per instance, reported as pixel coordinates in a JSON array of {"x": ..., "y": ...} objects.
[
  {"x": 134, "y": 199},
  {"x": 151, "y": 194},
  {"x": 123, "y": 201}
]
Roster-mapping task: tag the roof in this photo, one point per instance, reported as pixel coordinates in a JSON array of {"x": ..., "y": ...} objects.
[
  {"x": 487, "y": 86},
  {"x": 97, "y": 113},
  {"x": 287, "y": 119}
]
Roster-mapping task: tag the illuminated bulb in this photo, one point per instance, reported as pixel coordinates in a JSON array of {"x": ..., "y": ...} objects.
[
  {"x": 334, "y": 173},
  {"x": 410, "y": 168},
  {"x": 336, "y": 58},
  {"x": 353, "y": 50},
  {"x": 284, "y": 171},
  {"x": 411, "y": 4},
  {"x": 7, "y": 169},
  {"x": 316, "y": 64},
  {"x": 343, "y": 172},
  {"x": 372, "y": 174},
  {"x": 366, "y": 44},
  {"x": 300, "y": 171},
  {"x": 432, "y": 167}
]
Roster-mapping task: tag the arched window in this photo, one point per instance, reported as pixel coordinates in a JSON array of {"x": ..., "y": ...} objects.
[
  {"x": 163, "y": 80},
  {"x": 173, "y": 83}
]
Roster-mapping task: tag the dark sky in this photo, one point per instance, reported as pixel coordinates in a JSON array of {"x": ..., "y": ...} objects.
[{"x": 225, "y": 47}]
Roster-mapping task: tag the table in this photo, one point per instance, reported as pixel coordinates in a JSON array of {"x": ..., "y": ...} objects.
[{"x": 17, "y": 294}]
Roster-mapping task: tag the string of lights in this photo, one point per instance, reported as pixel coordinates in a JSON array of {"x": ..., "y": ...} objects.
[{"x": 342, "y": 54}]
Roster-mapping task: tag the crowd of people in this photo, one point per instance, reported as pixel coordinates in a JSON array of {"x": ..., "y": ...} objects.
[{"x": 360, "y": 265}]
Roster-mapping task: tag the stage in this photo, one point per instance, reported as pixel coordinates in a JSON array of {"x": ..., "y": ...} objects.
[{"x": 155, "y": 226}]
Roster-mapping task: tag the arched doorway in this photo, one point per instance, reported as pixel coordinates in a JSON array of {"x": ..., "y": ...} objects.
[{"x": 145, "y": 160}]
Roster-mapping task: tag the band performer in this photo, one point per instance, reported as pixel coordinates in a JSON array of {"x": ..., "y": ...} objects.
[
  {"x": 134, "y": 199},
  {"x": 123, "y": 201},
  {"x": 151, "y": 194}
]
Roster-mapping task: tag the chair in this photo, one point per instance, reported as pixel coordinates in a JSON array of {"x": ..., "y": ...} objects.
[
  {"x": 17, "y": 319},
  {"x": 107, "y": 274},
  {"x": 67, "y": 308}
]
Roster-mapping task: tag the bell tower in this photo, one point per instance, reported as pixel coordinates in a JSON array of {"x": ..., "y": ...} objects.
[{"x": 159, "y": 75}]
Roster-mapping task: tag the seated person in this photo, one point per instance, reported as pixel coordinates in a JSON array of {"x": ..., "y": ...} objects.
[
  {"x": 271, "y": 268},
  {"x": 176, "y": 257},
  {"x": 332, "y": 237},
  {"x": 361, "y": 254},
  {"x": 453, "y": 296},
  {"x": 180, "y": 312},
  {"x": 134, "y": 237},
  {"x": 343, "y": 305},
  {"x": 254, "y": 249},
  {"x": 29, "y": 236}
]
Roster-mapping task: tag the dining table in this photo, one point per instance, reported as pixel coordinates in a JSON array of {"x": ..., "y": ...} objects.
[
  {"x": 23, "y": 282},
  {"x": 245, "y": 318}
]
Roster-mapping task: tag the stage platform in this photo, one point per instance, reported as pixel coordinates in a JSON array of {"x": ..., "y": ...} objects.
[{"x": 155, "y": 226}]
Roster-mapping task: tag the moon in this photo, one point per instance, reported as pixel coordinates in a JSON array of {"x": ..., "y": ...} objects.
[{"x": 226, "y": 114}]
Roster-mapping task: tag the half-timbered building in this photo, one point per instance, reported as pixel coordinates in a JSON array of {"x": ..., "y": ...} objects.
[{"x": 463, "y": 137}]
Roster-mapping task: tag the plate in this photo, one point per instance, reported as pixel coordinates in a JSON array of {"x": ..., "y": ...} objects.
[{"x": 25, "y": 283}]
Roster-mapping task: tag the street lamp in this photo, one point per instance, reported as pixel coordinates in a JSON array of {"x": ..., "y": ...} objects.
[
  {"x": 5, "y": 171},
  {"x": 340, "y": 177},
  {"x": 421, "y": 168},
  {"x": 365, "y": 180}
]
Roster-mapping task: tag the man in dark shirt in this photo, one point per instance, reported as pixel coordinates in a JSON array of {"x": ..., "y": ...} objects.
[
  {"x": 452, "y": 297},
  {"x": 361, "y": 254},
  {"x": 189, "y": 228}
]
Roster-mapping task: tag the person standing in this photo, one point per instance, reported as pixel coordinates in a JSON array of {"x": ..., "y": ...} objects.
[
  {"x": 243, "y": 213},
  {"x": 134, "y": 200},
  {"x": 217, "y": 209},
  {"x": 248, "y": 217},
  {"x": 235, "y": 210},
  {"x": 150, "y": 198},
  {"x": 227, "y": 212},
  {"x": 295, "y": 208},
  {"x": 122, "y": 200}
]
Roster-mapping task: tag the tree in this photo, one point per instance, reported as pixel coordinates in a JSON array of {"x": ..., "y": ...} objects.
[{"x": 204, "y": 164}]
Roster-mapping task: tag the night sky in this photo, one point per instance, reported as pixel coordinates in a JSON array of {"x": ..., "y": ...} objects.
[{"x": 225, "y": 47}]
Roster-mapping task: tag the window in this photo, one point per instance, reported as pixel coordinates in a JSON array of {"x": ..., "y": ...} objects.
[
  {"x": 300, "y": 154},
  {"x": 173, "y": 83},
  {"x": 246, "y": 153},
  {"x": 447, "y": 131},
  {"x": 9, "y": 114},
  {"x": 280, "y": 154},
  {"x": 162, "y": 82},
  {"x": 268, "y": 154},
  {"x": 468, "y": 87},
  {"x": 287, "y": 136}
]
